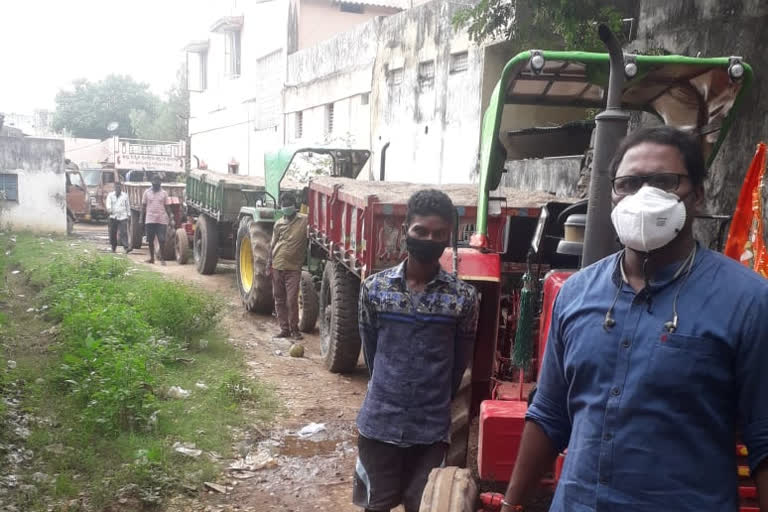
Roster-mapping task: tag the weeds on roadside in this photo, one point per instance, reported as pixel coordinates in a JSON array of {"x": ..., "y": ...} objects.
[{"x": 124, "y": 337}]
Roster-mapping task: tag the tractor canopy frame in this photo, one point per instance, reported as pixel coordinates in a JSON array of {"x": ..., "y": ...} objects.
[
  {"x": 347, "y": 163},
  {"x": 699, "y": 95}
]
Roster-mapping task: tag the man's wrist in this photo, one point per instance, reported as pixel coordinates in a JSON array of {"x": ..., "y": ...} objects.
[{"x": 509, "y": 507}]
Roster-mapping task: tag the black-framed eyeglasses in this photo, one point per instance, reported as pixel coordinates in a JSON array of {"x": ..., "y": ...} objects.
[{"x": 666, "y": 181}]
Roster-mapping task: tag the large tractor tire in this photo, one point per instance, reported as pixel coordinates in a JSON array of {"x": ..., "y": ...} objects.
[
  {"x": 70, "y": 223},
  {"x": 309, "y": 303},
  {"x": 339, "y": 334},
  {"x": 206, "y": 247},
  {"x": 168, "y": 249},
  {"x": 251, "y": 254},
  {"x": 182, "y": 248},
  {"x": 135, "y": 230},
  {"x": 460, "y": 423},
  {"x": 449, "y": 489}
]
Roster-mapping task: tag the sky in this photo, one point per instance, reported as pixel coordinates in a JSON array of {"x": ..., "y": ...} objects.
[{"x": 46, "y": 44}]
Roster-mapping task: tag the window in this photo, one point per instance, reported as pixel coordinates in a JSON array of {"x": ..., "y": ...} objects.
[
  {"x": 353, "y": 8},
  {"x": 299, "y": 124},
  {"x": 365, "y": 98},
  {"x": 9, "y": 187},
  {"x": 329, "y": 119},
  {"x": 459, "y": 62},
  {"x": 396, "y": 76},
  {"x": 427, "y": 73},
  {"x": 232, "y": 53}
]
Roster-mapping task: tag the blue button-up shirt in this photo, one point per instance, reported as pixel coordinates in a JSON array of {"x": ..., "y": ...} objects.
[
  {"x": 650, "y": 417},
  {"x": 416, "y": 346}
]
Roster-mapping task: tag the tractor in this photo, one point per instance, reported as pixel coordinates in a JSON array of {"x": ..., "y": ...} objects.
[{"x": 700, "y": 95}]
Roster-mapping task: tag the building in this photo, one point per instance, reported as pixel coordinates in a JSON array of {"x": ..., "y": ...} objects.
[
  {"x": 237, "y": 74},
  {"x": 32, "y": 185},
  {"x": 404, "y": 84}
]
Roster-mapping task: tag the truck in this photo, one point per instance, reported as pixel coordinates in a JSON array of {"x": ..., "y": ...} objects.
[
  {"x": 697, "y": 94},
  {"x": 123, "y": 156},
  {"x": 78, "y": 204},
  {"x": 140, "y": 182}
]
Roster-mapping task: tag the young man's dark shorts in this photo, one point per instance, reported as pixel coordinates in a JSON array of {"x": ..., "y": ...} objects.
[
  {"x": 387, "y": 475},
  {"x": 155, "y": 230}
]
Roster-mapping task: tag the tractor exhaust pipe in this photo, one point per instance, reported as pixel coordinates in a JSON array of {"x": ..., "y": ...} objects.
[
  {"x": 600, "y": 237},
  {"x": 383, "y": 165}
]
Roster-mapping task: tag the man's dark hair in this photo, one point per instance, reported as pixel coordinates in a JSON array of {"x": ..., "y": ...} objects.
[
  {"x": 688, "y": 145},
  {"x": 430, "y": 202},
  {"x": 287, "y": 200}
]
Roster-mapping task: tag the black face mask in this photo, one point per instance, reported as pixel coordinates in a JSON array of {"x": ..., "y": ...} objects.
[{"x": 425, "y": 251}]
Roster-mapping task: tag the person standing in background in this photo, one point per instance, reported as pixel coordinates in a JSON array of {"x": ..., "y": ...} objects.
[{"x": 119, "y": 210}]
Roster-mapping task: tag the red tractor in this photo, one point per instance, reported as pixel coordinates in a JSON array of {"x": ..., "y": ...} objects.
[{"x": 700, "y": 95}]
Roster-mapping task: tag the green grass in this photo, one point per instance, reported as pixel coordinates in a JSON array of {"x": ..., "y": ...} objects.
[{"x": 124, "y": 338}]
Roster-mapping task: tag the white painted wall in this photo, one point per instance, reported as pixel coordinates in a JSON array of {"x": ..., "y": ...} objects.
[
  {"x": 39, "y": 165},
  {"x": 239, "y": 117}
]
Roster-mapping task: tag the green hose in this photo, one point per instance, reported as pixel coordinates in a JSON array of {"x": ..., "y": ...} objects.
[{"x": 522, "y": 350}]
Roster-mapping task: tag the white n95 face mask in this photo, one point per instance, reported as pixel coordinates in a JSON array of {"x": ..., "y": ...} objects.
[{"x": 648, "y": 219}]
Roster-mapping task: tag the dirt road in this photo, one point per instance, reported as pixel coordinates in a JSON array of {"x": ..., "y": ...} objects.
[{"x": 311, "y": 474}]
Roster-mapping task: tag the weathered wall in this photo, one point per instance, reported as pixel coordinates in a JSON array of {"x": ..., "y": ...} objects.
[
  {"x": 39, "y": 165},
  {"x": 432, "y": 125},
  {"x": 559, "y": 176},
  {"x": 718, "y": 28},
  {"x": 319, "y": 20}
]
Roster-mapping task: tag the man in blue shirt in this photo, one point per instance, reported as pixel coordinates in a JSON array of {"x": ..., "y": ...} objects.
[
  {"x": 417, "y": 325},
  {"x": 656, "y": 356}
]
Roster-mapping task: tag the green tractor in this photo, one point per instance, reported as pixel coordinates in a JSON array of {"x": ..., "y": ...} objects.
[{"x": 257, "y": 218}]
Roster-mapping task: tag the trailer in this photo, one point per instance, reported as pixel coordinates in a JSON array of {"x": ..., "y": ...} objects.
[
  {"x": 175, "y": 202},
  {"x": 359, "y": 228}
]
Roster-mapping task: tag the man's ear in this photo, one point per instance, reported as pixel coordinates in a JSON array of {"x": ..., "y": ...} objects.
[{"x": 699, "y": 199}]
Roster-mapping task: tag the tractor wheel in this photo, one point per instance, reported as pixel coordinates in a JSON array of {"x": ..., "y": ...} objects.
[
  {"x": 169, "y": 246},
  {"x": 460, "y": 422},
  {"x": 206, "y": 245},
  {"x": 251, "y": 253},
  {"x": 449, "y": 489},
  {"x": 309, "y": 303},
  {"x": 70, "y": 224},
  {"x": 182, "y": 247},
  {"x": 135, "y": 230},
  {"x": 339, "y": 334}
]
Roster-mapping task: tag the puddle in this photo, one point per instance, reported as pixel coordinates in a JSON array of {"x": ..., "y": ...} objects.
[{"x": 293, "y": 446}]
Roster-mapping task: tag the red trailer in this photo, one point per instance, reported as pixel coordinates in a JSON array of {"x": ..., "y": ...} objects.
[{"x": 359, "y": 228}]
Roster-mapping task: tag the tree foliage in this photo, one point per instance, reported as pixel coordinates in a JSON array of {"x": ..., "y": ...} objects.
[
  {"x": 168, "y": 119},
  {"x": 87, "y": 109},
  {"x": 551, "y": 24}
]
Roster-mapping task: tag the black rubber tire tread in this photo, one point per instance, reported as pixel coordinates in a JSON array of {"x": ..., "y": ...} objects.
[
  {"x": 169, "y": 247},
  {"x": 207, "y": 251},
  {"x": 70, "y": 224},
  {"x": 449, "y": 489},
  {"x": 181, "y": 247},
  {"x": 339, "y": 328},
  {"x": 135, "y": 230},
  {"x": 310, "y": 303},
  {"x": 259, "y": 298},
  {"x": 460, "y": 423}
]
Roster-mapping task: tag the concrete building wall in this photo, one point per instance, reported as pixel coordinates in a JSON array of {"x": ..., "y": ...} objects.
[
  {"x": 38, "y": 165},
  {"x": 718, "y": 28},
  {"x": 237, "y": 118},
  {"x": 319, "y": 20},
  {"x": 558, "y": 176},
  {"x": 427, "y": 112}
]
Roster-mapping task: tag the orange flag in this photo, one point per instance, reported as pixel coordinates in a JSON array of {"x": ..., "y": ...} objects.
[{"x": 745, "y": 238}]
